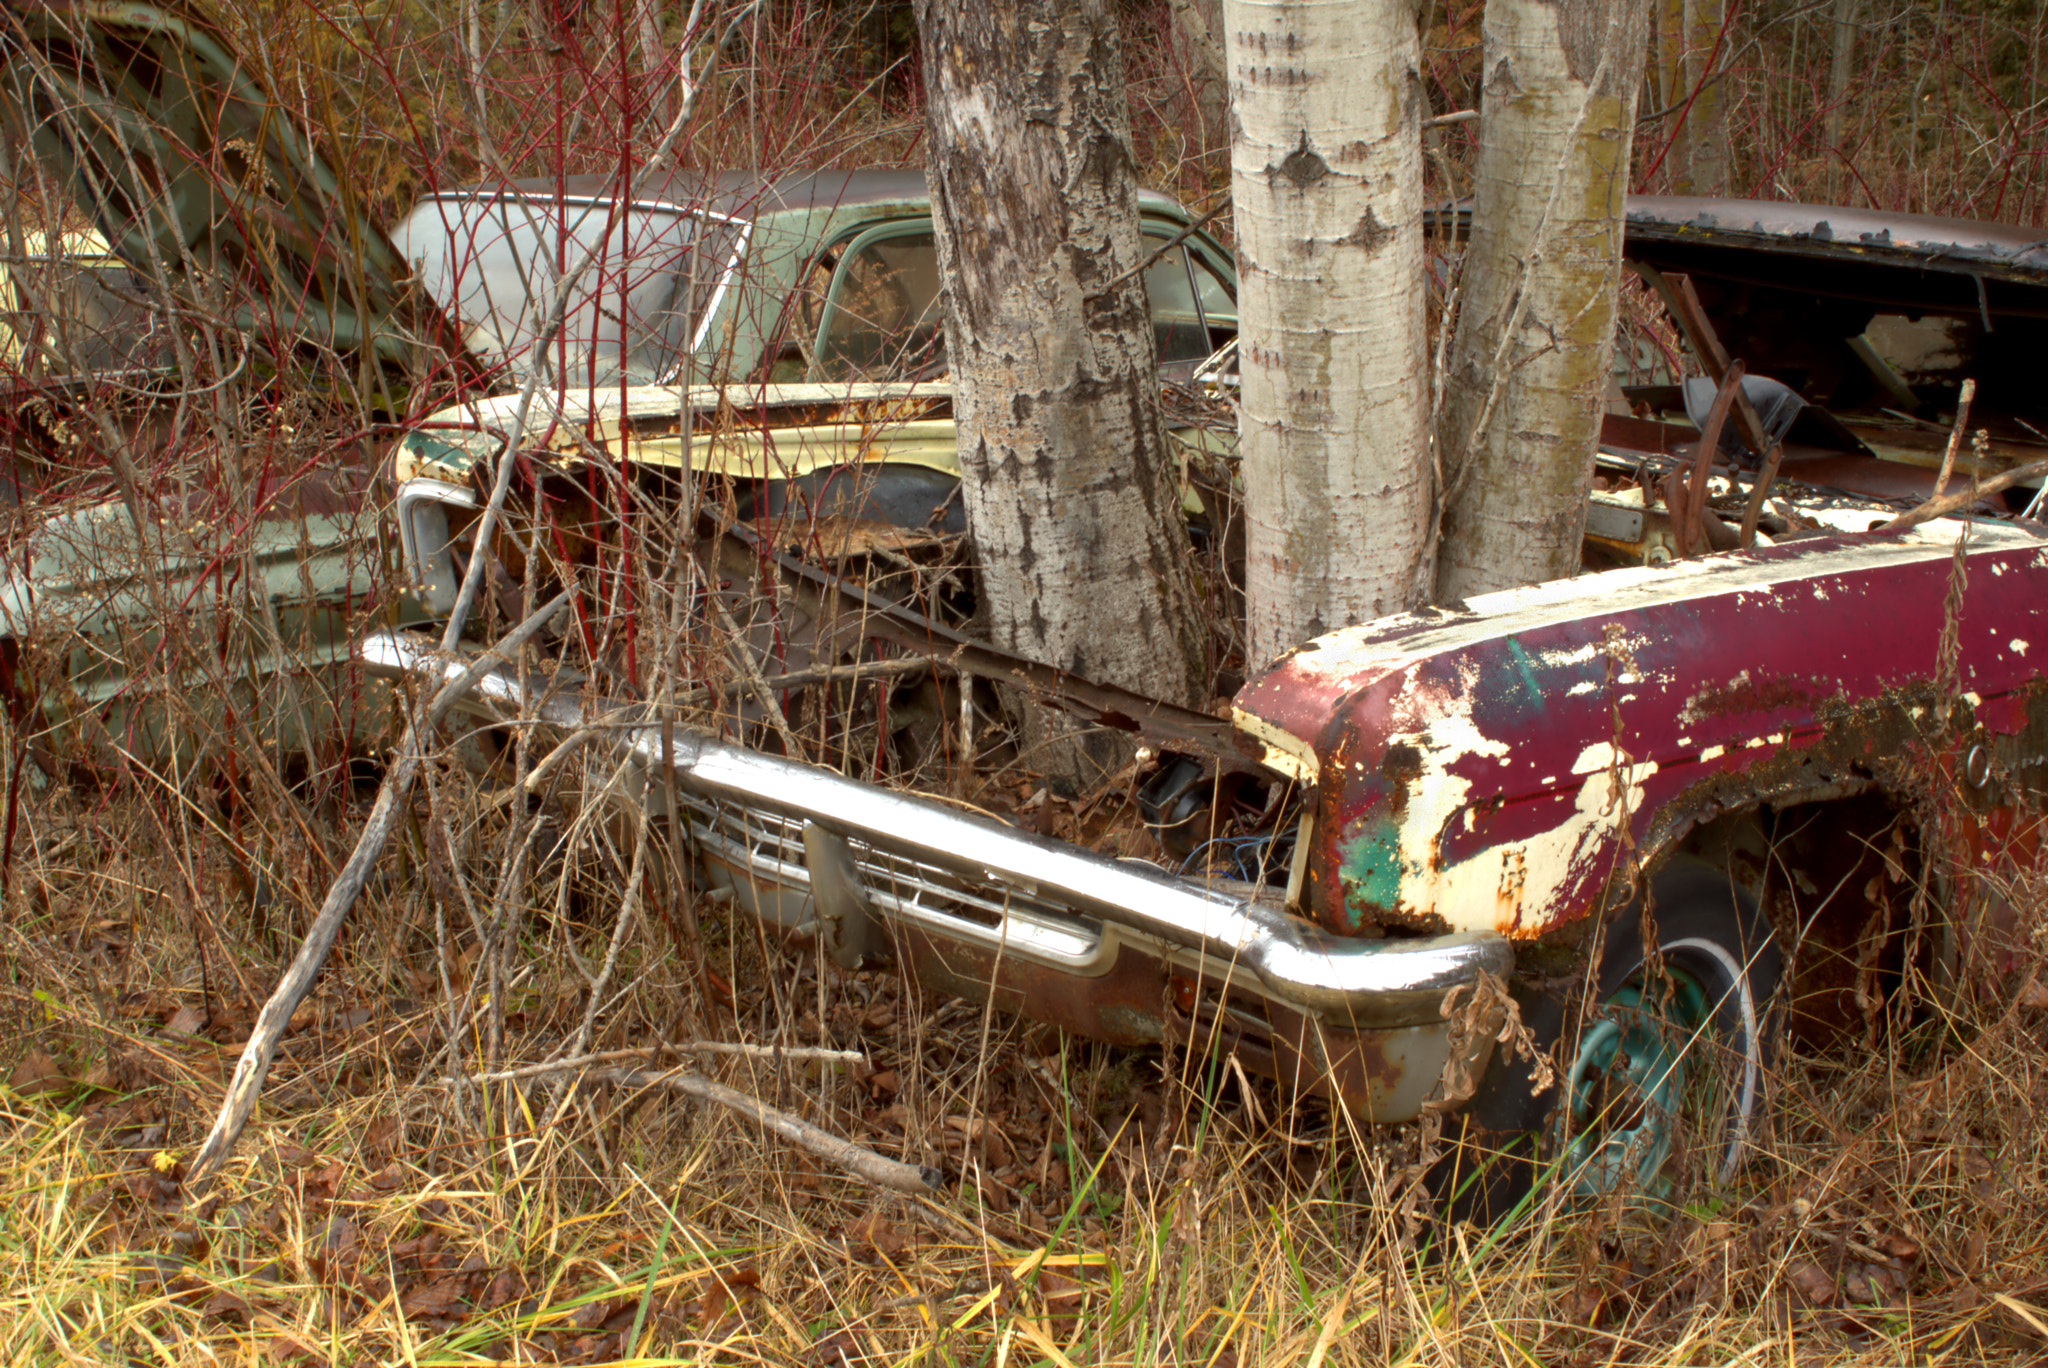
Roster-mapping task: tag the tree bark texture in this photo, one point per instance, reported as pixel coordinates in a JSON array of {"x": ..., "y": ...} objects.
[
  {"x": 1071, "y": 492},
  {"x": 1691, "y": 50},
  {"x": 1326, "y": 182},
  {"x": 1535, "y": 336}
]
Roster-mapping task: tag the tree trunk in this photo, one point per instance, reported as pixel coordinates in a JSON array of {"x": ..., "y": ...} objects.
[
  {"x": 1689, "y": 54},
  {"x": 1535, "y": 339},
  {"x": 1199, "y": 21},
  {"x": 1839, "y": 70},
  {"x": 1071, "y": 493},
  {"x": 1710, "y": 156},
  {"x": 1667, "y": 58},
  {"x": 1326, "y": 179}
]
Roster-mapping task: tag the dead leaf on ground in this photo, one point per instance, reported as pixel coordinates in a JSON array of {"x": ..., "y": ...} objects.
[
  {"x": 604, "y": 1312},
  {"x": 877, "y": 1232},
  {"x": 726, "y": 1296},
  {"x": 36, "y": 1073},
  {"x": 226, "y": 1306},
  {"x": 1064, "y": 1299},
  {"x": 508, "y": 1286},
  {"x": 443, "y": 1297},
  {"x": 380, "y": 1138},
  {"x": 1811, "y": 1282},
  {"x": 286, "y": 1349}
]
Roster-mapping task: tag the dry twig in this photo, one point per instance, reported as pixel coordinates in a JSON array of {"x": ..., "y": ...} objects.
[{"x": 862, "y": 1163}]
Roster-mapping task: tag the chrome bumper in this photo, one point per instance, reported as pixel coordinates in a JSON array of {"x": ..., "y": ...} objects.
[{"x": 862, "y": 860}]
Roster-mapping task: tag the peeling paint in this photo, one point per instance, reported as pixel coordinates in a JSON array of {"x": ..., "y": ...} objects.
[{"x": 1485, "y": 783}]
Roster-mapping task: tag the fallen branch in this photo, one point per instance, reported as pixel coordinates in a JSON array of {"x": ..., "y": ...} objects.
[
  {"x": 718, "y": 1047},
  {"x": 1955, "y": 437},
  {"x": 254, "y": 1065},
  {"x": 862, "y": 1163},
  {"x": 1941, "y": 507}
]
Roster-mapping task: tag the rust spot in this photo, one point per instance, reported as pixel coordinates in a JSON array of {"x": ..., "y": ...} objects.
[{"x": 1751, "y": 697}]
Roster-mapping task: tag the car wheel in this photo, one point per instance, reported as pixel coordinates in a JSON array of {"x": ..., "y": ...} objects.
[{"x": 1664, "y": 1080}]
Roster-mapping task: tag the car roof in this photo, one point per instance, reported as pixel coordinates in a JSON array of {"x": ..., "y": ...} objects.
[
  {"x": 1921, "y": 241},
  {"x": 751, "y": 194}
]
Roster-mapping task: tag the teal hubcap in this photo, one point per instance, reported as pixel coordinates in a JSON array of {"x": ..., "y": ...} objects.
[{"x": 1627, "y": 1085}]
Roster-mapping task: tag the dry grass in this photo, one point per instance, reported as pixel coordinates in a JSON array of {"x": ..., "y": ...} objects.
[{"x": 1102, "y": 1207}]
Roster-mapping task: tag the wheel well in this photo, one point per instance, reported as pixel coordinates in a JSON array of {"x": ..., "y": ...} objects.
[{"x": 1838, "y": 880}]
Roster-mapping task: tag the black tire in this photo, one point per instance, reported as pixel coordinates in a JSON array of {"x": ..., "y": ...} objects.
[{"x": 1713, "y": 941}]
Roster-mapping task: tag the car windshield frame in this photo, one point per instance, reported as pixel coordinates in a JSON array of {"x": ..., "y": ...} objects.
[{"x": 542, "y": 227}]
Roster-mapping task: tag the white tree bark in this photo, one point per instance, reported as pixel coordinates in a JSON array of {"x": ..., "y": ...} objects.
[
  {"x": 1535, "y": 338},
  {"x": 1326, "y": 178},
  {"x": 1709, "y": 155},
  {"x": 1072, "y": 495}
]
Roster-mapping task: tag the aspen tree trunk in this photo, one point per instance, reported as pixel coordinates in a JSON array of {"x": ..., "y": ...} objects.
[
  {"x": 1667, "y": 57},
  {"x": 1712, "y": 157},
  {"x": 1072, "y": 496},
  {"x": 1690, "y": 50},
  {"x": 1840, "y": 67},
  {"x": 1535, "y": 339},
  {"x": 1200, "y": 23},
  {"x": 1326, "y": 180}
]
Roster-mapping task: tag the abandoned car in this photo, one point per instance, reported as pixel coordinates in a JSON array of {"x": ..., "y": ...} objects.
[
  {"x": 1647, "y": 811},
  {"x": 818, "y": 286},
  {"x": 193, "y": 557},
  {"x": 1690, "y": 779}
]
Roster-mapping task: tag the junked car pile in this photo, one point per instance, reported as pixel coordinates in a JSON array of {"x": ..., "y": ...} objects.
[{"x": 1651, "y": 811}]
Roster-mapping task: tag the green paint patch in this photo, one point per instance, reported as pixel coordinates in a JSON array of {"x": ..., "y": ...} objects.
[
  {"x": 1527, "y": 669},
  {"x": 1371, "y": 868}
]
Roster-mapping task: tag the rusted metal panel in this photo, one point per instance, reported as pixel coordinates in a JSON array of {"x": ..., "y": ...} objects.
[
  {"x": 1490, "y": 769},
  {"x": 1804, "y": 233}
]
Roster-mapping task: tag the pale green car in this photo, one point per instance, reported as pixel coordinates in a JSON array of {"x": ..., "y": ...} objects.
[
  {"x": 179, "y": 575},
  {"x": 779, "y": 334},
  {"x": 776, "y": 331}
]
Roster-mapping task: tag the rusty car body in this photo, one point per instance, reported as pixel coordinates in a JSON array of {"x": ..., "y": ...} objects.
[
  {"x": 1732, "y": 723},
  {"x": 1745, "y": 740}
]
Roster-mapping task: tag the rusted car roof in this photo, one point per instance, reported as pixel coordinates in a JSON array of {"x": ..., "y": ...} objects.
[{"x": 1928, "y": 243}]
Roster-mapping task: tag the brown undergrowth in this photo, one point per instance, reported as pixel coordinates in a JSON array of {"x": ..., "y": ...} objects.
[{"x": 1100, "y": 1206}]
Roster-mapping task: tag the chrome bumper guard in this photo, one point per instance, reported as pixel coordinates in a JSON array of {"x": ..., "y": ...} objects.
[{"x": 860, "y": 855}]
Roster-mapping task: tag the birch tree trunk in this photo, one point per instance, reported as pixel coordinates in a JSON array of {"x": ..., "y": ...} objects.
[
  {"x": 1326, "y": 179},
  {"x": 1072, "y": 496},
  {"x": 1690, "y": 50},
  {"x": 1535, "y": 337},
  {"x": 1710, "y": 156},
  {"x": 1840, "y": 67}
]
